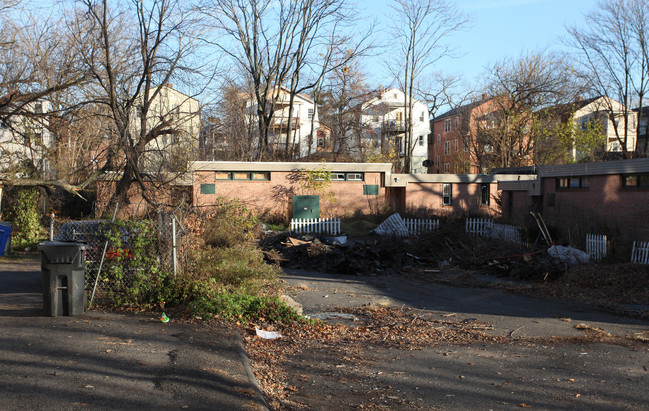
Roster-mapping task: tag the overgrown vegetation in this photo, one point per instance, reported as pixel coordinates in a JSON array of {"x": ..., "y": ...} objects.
[
  {"x": 23, "y": 212},
  {"x": 224, "y": 276}
]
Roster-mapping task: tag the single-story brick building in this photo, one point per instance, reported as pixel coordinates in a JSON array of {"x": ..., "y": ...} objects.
[
  {"x": 270, "y": 188},
  {"x": 606, "y": 197}
]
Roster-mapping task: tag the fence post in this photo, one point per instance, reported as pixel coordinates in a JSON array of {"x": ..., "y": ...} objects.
[
  {"x": 173, "y": 244},
  {"x": 52, "y": 226}
]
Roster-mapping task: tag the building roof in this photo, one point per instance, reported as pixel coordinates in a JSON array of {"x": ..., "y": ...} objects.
[
  {"x": 462, "y": 109},
  {"x": 567, "y": 110}
]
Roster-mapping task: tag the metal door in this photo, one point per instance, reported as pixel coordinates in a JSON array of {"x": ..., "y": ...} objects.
[{"x": 306, "y": 206}]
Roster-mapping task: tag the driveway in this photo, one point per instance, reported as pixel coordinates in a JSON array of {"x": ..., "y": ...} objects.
[
  {"x": 111, "y": 360},
  {"x": 553, "y": 354}
]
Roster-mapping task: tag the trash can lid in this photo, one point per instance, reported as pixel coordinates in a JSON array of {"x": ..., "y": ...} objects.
[{"x": 51, "y": 244}]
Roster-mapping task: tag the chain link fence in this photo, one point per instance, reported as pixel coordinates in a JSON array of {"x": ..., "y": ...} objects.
[{"x": 123, "y": 256}]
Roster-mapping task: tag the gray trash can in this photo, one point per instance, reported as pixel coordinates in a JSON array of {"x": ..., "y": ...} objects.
[{"x": 63, "y": 267}]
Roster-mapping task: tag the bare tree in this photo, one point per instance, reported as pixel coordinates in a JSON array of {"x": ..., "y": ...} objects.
[
  {"x": 139, "y": 48},
  {"x": 285, "y": 47},
  {"x": 422, "y": 28},
  {"x": 507, "y": 130},
  {"x": 37, "y": 65},
  {"x": 344, "y": 91},
  {"x": 612, "y": 49}
]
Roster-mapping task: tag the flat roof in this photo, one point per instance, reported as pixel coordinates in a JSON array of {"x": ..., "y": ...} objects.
[{"x": 293, "y": 166}]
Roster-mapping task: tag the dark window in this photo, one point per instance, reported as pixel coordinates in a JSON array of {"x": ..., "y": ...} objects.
[
  {"x": 566, "y": 183},
  {"x": 485, "y": 194},
  {"x": 446, "y": 194},
  {"x": 635, "y": 180},
  {"x": 371, "y": 189},
  {"x": 208, "y": 189},
  {"x": 447, "y": 125}
]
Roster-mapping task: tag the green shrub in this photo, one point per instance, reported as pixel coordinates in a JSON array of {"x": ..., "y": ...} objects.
[
  {"x": 26, "y": 218},
  {"x": 134, "y": 274},
  {"x": 231, "y": 224},
  {"x": 240, "y": 267},
  {"x": 241, "y": 307}
]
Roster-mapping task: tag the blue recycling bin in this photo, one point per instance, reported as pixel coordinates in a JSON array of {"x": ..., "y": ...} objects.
[{"x": 5, "y": 238}]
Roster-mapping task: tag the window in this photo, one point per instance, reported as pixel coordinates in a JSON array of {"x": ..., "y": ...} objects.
[
  {"x": 439, "y": 162},
  {"x": 38, "y": 108},
  {"x": 457, "y": 168},
  {"x": 565, "y": 183},
  {"x": 439, "y": 139},
  {"x": 223, "y": 175},
  {"x": 457, "y": 145},
  {"x": 447, "y": 148},
  {"x": 635, "y": 180},
  {"x": 421, "y": 140},
  {"x": 321, "y": 142},
  {"x": 457, "y": 122},
  {"x": 399, "y": 115},
  {"x": 260, "y": 175},
  {"x": 208, "y": 189},
  {"x": 446, "y": 194},
  {"x": 340, "y": 176},
  {"x": 241, "y": 175},
  {"x": 447, "y": 125},
  {"x": 466, "y": 146},
  {"x": 484, "y": 194},
  {"x": 310, "y": 114},
  {"x": 447, "y": 168},
  {"x": 371, "y": 189},
  {"x": 421, "y": 118}
]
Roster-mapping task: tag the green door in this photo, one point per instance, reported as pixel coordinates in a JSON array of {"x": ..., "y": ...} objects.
[{"x": 306, "y": 206}]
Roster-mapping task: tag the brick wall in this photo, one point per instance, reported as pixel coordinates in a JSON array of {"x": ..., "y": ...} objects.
[
  {"x": 465, "y": 199},
  {"x": 604, "y": 207},
  {"x": 273, "y": 197}
]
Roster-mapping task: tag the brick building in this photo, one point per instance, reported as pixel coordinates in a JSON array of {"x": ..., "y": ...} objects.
[
  {"x": 607, "y": 197},
  {"x": 452, "y": 146}
]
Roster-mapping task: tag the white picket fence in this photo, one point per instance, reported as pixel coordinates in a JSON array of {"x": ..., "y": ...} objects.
[
  {"x": 596, "y": 246},
  {"x": 420, "y": 225},
  {"x": 479, "y": 226},
  {"x": 640, "y": 252},
  {"x": 329, "y": 226},
  {"x": 487, "y": 228},
  {"x": 508, "y": 233}
]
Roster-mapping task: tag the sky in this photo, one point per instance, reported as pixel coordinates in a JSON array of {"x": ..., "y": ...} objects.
[{"x": 500, "y": 29}]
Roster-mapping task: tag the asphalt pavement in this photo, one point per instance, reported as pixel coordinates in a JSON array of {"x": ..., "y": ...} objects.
[
  {"x": 112, "y": 360},
  {"x": 545, "y": 365}
]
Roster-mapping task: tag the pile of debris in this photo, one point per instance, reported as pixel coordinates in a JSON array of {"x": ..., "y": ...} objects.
[
  {"x": 390, "y": 248},
  {"x": 371, "y": 255}
]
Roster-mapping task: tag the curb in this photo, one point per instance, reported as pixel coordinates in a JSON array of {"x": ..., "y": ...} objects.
[{"x": 251, "y": 375}]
